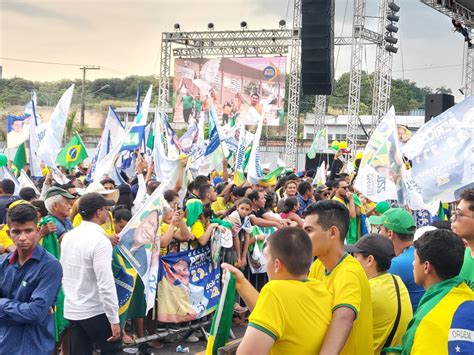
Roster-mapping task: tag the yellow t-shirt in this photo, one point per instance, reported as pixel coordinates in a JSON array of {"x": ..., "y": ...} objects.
[
  {"x": 384, "y": 310},
  {"x": 349, "y": 285},
  {"x": 4, "y": 238},
  {"x": 108, "y": 226},
  {"x": 296, "y": 314},
  {"x": 219, "y": 205}
]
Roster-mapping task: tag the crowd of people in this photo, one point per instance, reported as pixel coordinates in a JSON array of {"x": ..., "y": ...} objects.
[{"x": 344, "y": 275}]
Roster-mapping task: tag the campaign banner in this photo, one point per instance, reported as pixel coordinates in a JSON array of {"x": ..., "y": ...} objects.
[
  {"x": 188, "y": 285},
  {"x": 242, "y": 89},
  {"x": 18, "y": 128},
  {"x": 441, "y": 153},
  {"x": 140, "y": 244},
  {"x": 379, "y": 177}
]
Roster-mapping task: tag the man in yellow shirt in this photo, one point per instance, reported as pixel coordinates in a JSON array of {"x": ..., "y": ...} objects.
[
  {"x": 391, "y": 306},
  {"x": 291, "y": 314},
  {"x": 350, "y": 331}
]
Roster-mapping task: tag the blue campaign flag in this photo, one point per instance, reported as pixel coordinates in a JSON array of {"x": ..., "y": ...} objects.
[
  {"x": 214, "y": 142},
  {"x": 188, "y": 285}
]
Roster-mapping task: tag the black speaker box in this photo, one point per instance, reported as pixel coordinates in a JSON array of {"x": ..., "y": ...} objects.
[
  {"x": 436, "y": 104},
  {"x": 317, "y": 47}
]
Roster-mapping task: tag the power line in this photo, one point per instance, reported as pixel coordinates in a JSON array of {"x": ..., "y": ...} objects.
[
  {"x": 431, "y": 67},
  {"x": 40, "y": 62}
]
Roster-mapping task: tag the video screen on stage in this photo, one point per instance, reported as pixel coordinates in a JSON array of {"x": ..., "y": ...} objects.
[{"x": 248, "y": 89}]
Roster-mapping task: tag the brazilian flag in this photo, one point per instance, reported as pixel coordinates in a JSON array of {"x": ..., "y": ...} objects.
[
  {"x": 20, "y": 160},
  {"x": 222, "y": 320},
  {"x": 73, "y": 154}
]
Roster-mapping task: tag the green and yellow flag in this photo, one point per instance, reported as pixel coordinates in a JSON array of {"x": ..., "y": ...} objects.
[
  {"x": 72, "y": 154},
  {"x": 222, "y": 320},
  {"x": 19, "y": 161}
]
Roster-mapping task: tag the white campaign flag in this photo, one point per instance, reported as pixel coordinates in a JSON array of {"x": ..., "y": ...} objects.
[
  {"x": 379, "y": 176},
  {"x": 254, "y": 168},
  {"x": 441, "y": 153},
  {"x": 25, "y": 181},
  {"x": 320, "y": 177},
  {"x": 50, "y": 146}
]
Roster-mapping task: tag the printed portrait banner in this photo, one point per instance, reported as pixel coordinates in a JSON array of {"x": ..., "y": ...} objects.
[
  {"x": 188, "y": 285},
  {"x": 230, "y": 84},
  {"x": 379, "y": 176},
  {"x": 441, "y": 153},
  {"x": 18, "y": 128},
  {"x": 140, "y": 244}
]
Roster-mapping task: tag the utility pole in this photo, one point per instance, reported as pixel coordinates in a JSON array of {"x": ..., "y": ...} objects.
[{"x": 83, "y": 103}]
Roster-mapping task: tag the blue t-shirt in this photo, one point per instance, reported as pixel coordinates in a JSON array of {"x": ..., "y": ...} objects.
[{"x": 402, "y": 266}]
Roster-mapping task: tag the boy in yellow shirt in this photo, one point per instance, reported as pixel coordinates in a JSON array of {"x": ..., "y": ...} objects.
[
  {"x": 350, "y": 331},
  {"x": 292, "y": 313}
]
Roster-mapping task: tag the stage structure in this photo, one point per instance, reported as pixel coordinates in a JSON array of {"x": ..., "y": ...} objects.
[
  {"x": 243, "y": 43},
  {"x": 461, "y": 10},
  {"x": 250, "y": 43}
]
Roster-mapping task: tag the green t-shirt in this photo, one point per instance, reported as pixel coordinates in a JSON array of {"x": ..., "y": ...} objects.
[
  {"x": 353, "y": 234},
  {"x": 467, "y": 271},
  {"x": 187, "y": 102},
  {"x": 198, "y": 105}
]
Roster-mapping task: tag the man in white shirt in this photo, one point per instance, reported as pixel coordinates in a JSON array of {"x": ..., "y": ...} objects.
[{"x": 91, "y": 303}]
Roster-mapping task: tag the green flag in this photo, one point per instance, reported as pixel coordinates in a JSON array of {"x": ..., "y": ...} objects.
[
  {"x": 318, "y": 143},
  {"x": 222, "y": 320},
  {"x": 19, "y": 161},
  {"x": 72, "y": 154}
]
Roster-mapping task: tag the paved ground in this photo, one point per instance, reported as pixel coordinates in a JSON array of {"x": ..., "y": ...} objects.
[{"x": 170, "y": 347}]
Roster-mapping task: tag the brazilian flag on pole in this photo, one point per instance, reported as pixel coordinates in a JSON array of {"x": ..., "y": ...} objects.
[
  {"x": 19, "y": 161},
  {"x": 222, "y": 320},
  {"x": 72, "y": 154}
]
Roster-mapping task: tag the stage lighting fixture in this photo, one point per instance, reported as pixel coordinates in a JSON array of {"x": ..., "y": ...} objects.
[
  {"x": 391, "y": 28},
  {"x": 177, "y": 27},
  {"x": 243, "y": 25},
  {"x": 394, "y": 7},
  {"x": 393, "y": 18},
  {"x": 391, "y": 49},
  {"x": 210, "y": 26},
  {"x": 282, "y": 23}
]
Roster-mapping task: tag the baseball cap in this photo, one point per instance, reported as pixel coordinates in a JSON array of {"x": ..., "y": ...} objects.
[
  {"x": 92, "y": 202},
  {"x": 373, "y": 244},
  {"x": 321, "y": 188},
  {"x": 398, "y": 220},
  {"x": 54, "y": 191},
  {"x": 382, "y": 207}
]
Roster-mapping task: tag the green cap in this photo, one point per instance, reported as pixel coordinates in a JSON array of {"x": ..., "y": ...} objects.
[
  {"x": 398, "y": 220},
  {"x": 382, "y": 207}
]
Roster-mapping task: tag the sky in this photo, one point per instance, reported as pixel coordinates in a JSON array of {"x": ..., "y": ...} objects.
[{"x": 123, "y": 37}]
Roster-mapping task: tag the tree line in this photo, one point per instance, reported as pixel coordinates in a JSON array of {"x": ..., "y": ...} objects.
[{"x": 405, "y": 94}]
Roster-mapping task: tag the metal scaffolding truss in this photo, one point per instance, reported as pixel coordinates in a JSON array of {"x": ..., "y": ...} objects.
[
  {"x": 294, "y": 89},
  {"x": 383, "y": 71},
  {"x": 320, "y": 104},
  {"x": 457, "y": 11},
  {"x": 452, "y": 9},
  {"x": 469, "y": 69},
  {"x": 355, "y": 76}
]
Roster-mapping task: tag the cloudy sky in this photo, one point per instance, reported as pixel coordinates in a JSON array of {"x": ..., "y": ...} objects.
[{"x": 123, "y": 37}]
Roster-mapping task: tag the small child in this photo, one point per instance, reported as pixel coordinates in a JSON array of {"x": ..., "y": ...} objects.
[
  {"x": 290, "y": 207},
  {"x": 241, "y": 227},
  {"x": 174, "y": 232}
]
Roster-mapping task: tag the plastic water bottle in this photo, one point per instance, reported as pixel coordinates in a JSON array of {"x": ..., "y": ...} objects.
[{"x": 180, "y": 349}]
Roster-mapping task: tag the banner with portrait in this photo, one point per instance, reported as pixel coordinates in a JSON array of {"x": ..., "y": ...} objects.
[
  {"x": 140, "y": 244},
  {"x": 248, "y": 89},
  {"x": 18, "y": 130},
  {"x": 441, "y": 153},
  {"x": 188, "y": 285}
]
